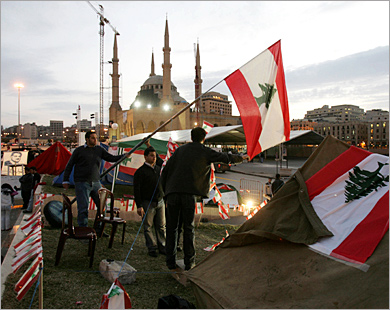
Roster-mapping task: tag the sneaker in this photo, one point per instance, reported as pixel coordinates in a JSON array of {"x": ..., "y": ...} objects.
[{"x": 153, "y": 253}]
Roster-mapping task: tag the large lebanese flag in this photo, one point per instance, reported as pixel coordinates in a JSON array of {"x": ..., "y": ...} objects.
[
  {"x": 351, "y": 197},
  {"x": 259, "y": 90}
]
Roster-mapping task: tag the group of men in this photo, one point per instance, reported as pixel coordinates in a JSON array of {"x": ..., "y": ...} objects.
[{"x": 165, "y": 200}]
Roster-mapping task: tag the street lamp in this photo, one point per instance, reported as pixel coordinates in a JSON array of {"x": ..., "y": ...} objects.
[{"x": 18, "y": 86}]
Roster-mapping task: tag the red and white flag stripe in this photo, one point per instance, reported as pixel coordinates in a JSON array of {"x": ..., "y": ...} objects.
[
  {"x": 19, "y": 261},
  {"x": 207, "y": 126},
  {"x": 92, "y": 205},
  {"x": 223, "y": 212},
  {"x": 213, "y": 247},
  {"x": 116, "y": 297},
  {"x": 27, "y": 274},
  {"x": 28, "y": 247},
  {"x": 29, "y": 281},
  {"x": 29, "y": 227},
  {"x": 257, "y": 209},
  {"x": 198, "y": 208},
  {"x": 130, "y": 205},
  {"x": 357, "y": 225},
  {"x": 217, "y": 194},
  {"x": 259, "y": 90},
  {"x": 27, "y": 241}
]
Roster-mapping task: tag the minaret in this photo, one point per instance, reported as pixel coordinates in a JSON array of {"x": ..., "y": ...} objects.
[
  {"x": 152, "y": 66},
  {"x": 115, "y": 106},
  {"x": 198, "y": 84},
  {"x": 167, "y": 97}
]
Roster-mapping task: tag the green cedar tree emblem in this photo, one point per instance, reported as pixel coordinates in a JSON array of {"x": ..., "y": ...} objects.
[
  {"x": 268, "y": 93},
  {"x": 363, "y": 182},
  {"x": 125, "y": 161}
]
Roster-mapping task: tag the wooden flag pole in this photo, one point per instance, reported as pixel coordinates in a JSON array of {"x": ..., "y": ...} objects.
[{"x": 41, "y": 285}]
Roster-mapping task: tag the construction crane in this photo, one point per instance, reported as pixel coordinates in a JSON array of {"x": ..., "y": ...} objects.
[{"x": 103, "y": 21}]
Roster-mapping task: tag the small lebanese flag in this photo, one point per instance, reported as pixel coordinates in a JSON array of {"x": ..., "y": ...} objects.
[
  {"x": 171, "y": 149},
  {"x": 130, "y": 205},
  {"x": 351, "y": 197},
  {"x": 27, "y": 241},
  {"x": 217, "y": 195},
  {"x": 122, "y": 201},
  {"x": 223, "y": 212},
  {"x": 116, "y": 297},
  {"x": 212, "y": 177},
  {"x": 28, "y": 278},
  {"x": 31, "y": 225},
  {"x": 28, "y": 245},
  {"x": 92, "y": 205},
  {"x": 259, "y": 90},
  {"x": 213, "y": 247},
  {"x": 198, "y": 208},
  {"x": 19, "y": 261},
  {"x": 225, "y": 187},
  {"x": 207, "y": 126},
  {"x": 256, "y": 210}
]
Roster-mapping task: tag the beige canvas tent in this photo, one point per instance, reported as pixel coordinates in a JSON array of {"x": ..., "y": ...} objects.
[{"x": 267, "y": 264}]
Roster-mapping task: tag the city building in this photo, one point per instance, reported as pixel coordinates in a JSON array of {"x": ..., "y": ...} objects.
[
  {"x": 302, "y": 124},
  {"x": 30, "y": 131},
  {"x": 56, "y": 129},
  {"x": 339, "y": 113},
  {"x": 84, "y": 125}
]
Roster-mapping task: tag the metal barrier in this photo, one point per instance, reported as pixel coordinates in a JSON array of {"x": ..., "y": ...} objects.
[{"x": 251, "y": 190}]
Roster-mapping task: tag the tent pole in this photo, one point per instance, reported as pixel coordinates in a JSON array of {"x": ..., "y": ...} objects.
[{"x": 158, "y": 129}]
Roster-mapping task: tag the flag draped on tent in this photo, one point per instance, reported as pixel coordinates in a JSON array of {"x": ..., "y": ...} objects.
[
  {"x": 351, "y": 197},
  {"x": 259, "y": 90}
]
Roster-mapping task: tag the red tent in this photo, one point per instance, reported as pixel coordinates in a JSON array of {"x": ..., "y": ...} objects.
[{"x": 52, "y": 161}]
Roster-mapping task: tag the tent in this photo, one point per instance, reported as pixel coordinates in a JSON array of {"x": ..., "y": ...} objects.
[
  {"x": 227, "y": 135},
  {"x": 52, "y": 161},
  {"x": 267, "y": 263}
]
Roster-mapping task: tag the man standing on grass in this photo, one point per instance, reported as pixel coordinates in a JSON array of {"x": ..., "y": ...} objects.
[
  {"x": 186, "y": 178},
  {"x": 148, "y": 196},
  {"x": 86, "y": 160}
]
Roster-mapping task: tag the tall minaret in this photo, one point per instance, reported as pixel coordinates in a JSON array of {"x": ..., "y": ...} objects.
[
  {"x": 198, "y": 84},
  {"x": 167, "y": 97},
  {"x": 115, "y": 106},
  {"x": 152, "y": 66}
]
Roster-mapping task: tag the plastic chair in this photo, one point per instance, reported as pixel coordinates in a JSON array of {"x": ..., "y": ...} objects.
[
  {"x": 69, "y": 231},
  {"x": 104, "y": 194}
]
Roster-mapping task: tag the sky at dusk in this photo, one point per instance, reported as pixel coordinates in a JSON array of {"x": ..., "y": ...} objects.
[{"x": 334, "y": 52}]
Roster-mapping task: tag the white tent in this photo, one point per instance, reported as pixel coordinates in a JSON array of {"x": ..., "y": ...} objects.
[{"x": 227, "y": 135}]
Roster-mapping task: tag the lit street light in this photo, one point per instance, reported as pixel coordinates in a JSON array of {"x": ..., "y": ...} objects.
[{"x": 18, "y": 86}]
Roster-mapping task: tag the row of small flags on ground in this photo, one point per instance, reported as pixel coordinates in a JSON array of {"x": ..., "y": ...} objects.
[{"x": 29, "y": 247}]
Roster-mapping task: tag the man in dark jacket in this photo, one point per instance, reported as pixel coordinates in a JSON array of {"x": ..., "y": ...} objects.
[
  {"x": 186, "y": 178},
  {"x": 26, "y": 185},
  {"x": 277, "y": 184},
  {"x": 148, "y": 195},
  {"x": 86, "y": 160}
]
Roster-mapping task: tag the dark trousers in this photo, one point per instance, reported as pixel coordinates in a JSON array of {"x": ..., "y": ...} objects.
[
  {"x": 155, "y": 217},
  {"x": 180, "y": 205},
  {"x": 26, "y": 198}
]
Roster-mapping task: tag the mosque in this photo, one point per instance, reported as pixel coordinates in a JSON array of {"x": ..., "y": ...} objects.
[{"x": 158, "y": 100}]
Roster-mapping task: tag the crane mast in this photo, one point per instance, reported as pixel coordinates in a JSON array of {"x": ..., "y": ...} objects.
[{"x": 103, "y": 21}]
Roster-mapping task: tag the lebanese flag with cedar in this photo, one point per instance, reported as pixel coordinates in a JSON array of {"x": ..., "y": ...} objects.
[
  {"x": 351, "y": 197},
  {"x": 116, "y": 297},
  {"x": 259, "y": 90}
]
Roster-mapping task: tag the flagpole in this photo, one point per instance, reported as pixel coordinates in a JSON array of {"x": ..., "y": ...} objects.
[
  {"x": 158, "y": 129},
  {"x": 41, "y": 285}
]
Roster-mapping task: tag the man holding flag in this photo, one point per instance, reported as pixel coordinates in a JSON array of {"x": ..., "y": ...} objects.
[{"x": 185, "y": 178}]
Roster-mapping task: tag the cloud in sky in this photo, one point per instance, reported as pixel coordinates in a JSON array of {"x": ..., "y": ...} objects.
[{"x": 334, "y": 52}]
